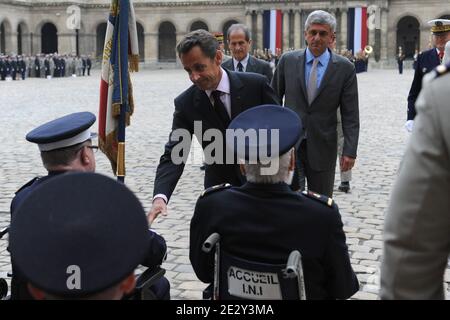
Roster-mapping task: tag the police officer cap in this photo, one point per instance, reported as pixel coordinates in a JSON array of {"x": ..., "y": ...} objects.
[
  {"x": 263, "y": 122},
  {"x": 439, "y": 25},
  {"x": 79, "y": 224},
  {"x": 63, "y": 132}
]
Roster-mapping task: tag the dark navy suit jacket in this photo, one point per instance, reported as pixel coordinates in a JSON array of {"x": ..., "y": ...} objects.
[
  {"x": 265, "y": 222},
  {"x": 426, "y": 61}
]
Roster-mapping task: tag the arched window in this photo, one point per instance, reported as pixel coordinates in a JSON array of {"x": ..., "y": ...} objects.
[
  {"x": 101, "y": 34},
  {"x": 199, "y": 25},
  {"x": 408, "y": 35},
  {"x": 49, "y": 38},
  {"x": 141, "y": 41},
  {"x": 226, "y": 25},
  {"x": 5, "y": 37},
  {"x": 167, "y": 42}
]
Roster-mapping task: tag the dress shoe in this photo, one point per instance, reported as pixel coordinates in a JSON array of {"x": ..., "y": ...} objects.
[{"x": 344, "y": 187}]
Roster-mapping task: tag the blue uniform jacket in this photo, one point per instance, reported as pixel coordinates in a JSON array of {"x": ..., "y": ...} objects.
[{"x": 426, "y": 61}]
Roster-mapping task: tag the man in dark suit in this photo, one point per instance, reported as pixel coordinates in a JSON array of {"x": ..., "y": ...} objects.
[
  {"x": 238, "y": 37},
  {"x": 264, "y": 220},
  {"x": 216, "y": 97},
  {"x": 88, "y": 65},
  {"x": 314, "y": 83},
  {"x": 427, "y": 61}
]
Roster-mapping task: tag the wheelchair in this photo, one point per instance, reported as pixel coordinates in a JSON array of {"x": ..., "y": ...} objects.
[
  {"x": 142, "y": 291},
  {"x": 236, "y": 278}
]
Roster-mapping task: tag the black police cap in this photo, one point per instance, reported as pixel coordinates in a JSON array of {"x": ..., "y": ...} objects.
[
  {"x": 263, "y": 132},
  {"x": 63, "y": 132},
  {"x": 79, "y": 222}
]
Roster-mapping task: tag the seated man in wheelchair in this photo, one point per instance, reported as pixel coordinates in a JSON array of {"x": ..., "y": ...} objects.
[
  {"x": 264, "y": 220},
  {"x": 80, "y": 236},
  {"x": 65, "y": 145}
]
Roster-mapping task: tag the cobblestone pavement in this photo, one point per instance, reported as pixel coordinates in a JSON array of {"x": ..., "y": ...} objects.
[{"x": 27, "y": 104}]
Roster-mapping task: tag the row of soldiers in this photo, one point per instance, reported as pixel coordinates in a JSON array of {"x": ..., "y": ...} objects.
[{"x": 44, "y": 66}]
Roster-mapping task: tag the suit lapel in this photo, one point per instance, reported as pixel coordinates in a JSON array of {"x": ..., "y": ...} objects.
[
  {"x": 204, "y": 106},
  {"x": 251, "y": 65},
  {"x": 331, "y": 69},
  {"x": 236, "y": 86},
  {"x": 229, "y": 64},
  {"x": 301, "y": 73}
]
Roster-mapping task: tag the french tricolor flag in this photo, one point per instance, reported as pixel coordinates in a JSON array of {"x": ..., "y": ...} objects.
[
  {"x": 272, "y": 22},
  {"x": 357, "y": 29}
]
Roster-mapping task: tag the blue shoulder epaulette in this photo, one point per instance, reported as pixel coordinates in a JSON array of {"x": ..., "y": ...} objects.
[
  {"x": 212, "y": 189},
  {"x": 29, "y": 183},
  {"x": 318, "y": 197}
]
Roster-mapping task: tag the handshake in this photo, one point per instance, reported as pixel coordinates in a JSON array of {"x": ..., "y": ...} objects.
[{"x": 409, "y": 125}]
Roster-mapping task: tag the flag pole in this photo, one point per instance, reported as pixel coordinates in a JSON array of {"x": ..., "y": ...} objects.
[{"x": 123, "y": 76}]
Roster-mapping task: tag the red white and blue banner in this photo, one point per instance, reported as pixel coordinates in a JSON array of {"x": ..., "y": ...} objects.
[
  {"x": 272, "y": 30},
  {"x": 357, "y": 29},
  {"x": 120, "y": 55}
]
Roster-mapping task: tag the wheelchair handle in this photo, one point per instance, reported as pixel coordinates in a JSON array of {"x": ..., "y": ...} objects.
[
  {"x": 210, "y": 242},
  {"x": 293, "y": 263},
  {"x": 3, "y": 232}
]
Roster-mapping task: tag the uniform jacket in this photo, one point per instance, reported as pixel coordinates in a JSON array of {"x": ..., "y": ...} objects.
[
  {"x": 253, "y": 65},
  {"x": 417, "y": 225},
  {"x": 338, "y": 88},
  {"x": 265, "y": 222},
  {"x": 426, "y": 61},
  {"x": 247, "y": 90}
]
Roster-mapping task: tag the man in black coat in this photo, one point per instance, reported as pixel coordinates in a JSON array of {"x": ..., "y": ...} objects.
[
  {"x": 89, "y": 65},
  {"x": 427, "y": 61},
  {"x": 264, "y": 220},
  {"x": 216, "y": 97},
  {"x": 238, "y": 37}
]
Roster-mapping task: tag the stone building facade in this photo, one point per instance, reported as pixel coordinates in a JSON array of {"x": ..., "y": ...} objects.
[{"x": 34, "y": 26}]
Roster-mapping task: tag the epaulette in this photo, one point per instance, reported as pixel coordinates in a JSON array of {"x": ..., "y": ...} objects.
[
  {"x": 212, "y": 189},
  {"x": 29, "y": 183},
  {"x": 318, "y": 197}
]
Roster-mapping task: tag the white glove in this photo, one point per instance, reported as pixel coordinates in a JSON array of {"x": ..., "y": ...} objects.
[{"x": 409, "y": 125}]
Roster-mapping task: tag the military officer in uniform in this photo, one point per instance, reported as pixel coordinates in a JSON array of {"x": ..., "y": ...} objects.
[
  {"x": 66, "y": 145},
  {"x": 264, "y": 220},
  {"x": 84, "y": 245},
  {"x": 416, "y": 234},
  {"x": 427, "y": 61}
]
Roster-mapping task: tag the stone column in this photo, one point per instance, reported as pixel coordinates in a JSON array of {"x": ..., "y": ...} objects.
[
  {"x": 259, "y": 29},
  {"x": 286, "y": 31},
  {"x": 248, "y": 20},
  {"x": 384, "y": 34},
  {"x": 13, "y": 43},
  {"x": 343, "y": 35},
  {"x": 67, "y": 42},
  {"x": 249, "y": 24},
  {"x": 297, "y": 29},
  {"x": 151, "y": 47}
]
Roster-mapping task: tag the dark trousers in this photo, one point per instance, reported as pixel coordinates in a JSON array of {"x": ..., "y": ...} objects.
[
  {"x": 400, "y": 67},
  {"x": 318, "y": 181}
]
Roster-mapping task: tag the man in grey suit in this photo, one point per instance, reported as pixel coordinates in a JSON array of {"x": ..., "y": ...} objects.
[
  {"x": 416, "y": 229},
  {"x": 239, "y": 41},
  {"x": 314, "y": 83}
]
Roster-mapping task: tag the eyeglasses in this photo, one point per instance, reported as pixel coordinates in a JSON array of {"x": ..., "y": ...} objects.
[{"x": 93, "y": 148}]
